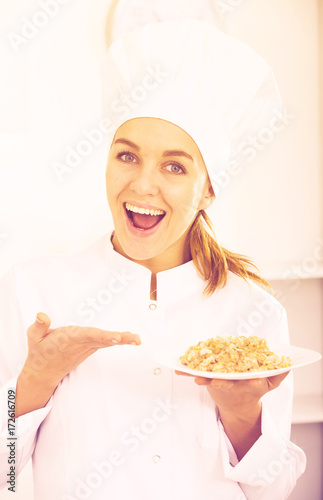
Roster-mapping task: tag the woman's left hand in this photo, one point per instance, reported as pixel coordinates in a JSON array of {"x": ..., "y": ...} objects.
[
  {"x": 239, "y": 406},
  {"x": 238, "y": 395}
]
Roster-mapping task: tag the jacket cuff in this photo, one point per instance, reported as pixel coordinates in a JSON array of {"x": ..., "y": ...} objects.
[
  {"x": 272, "y": 464},
  {"x": 25, "y": 426}
]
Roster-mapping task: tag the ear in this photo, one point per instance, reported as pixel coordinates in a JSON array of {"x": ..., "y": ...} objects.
[{"x": 207, "y": 198}]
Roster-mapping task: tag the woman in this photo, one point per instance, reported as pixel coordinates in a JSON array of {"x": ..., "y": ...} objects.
[{"x": 111, "y": 423}]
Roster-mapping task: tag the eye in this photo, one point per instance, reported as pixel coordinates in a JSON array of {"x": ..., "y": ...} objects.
[
  {"x": 174, "y": 168},
  {"x": 126, "y": 156}
]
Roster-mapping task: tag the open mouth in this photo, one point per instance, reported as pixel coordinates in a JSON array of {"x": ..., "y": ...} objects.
[{"x": 143, "y": 218}]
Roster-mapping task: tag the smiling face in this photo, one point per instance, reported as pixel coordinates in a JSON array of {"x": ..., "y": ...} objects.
[{"x": 156, "y": 183}]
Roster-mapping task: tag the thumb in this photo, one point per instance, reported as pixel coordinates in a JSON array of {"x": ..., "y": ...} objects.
[{"x": 38, "y": 329}]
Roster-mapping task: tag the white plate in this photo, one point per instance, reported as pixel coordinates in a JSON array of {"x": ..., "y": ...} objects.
[{"x": 299, "y": 357}]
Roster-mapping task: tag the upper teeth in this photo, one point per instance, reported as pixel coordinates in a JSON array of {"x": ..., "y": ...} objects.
[{"x": 146, "y": 211}]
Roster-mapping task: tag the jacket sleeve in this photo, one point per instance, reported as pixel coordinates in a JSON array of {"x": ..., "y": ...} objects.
[
  {"x": 16, "y": 452},
  {"x": 17, "y": 440},
  {"x": 273, "y": 464}
]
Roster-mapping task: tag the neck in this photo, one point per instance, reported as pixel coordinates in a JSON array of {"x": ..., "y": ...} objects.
[{"x": 174, "y": 256}]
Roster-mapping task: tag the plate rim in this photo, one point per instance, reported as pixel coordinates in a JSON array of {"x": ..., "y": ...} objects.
[{"x": 315, "y": 356}]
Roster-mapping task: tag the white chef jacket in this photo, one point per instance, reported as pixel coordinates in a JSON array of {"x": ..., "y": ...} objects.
[{"x": 120, "y": 426}]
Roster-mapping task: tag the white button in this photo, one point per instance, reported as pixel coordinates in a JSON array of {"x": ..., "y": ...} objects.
[
  {"x": 157, "y": 371},
  {"x": 156, "y": 459},
  {"x": 152, "y": 307}
]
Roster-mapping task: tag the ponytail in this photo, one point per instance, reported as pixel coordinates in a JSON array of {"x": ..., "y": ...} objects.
[{"x": 212, "y": 261}]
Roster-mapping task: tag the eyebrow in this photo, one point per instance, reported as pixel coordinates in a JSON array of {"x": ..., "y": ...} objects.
[
  {"x": 170, "y": 152},
  {"x": 175, "y": 152},
  {"x": 129, "y": 143}
]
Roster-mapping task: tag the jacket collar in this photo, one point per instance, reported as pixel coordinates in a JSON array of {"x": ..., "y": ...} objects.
[{"x": 171, "y": 284}]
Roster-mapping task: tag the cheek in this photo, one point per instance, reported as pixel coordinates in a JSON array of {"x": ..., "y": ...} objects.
[
  {"x": 108, "y": 184},
  {"x": 110, "y": 171},
  {"x": 112, "y": 194},
  {"x": 113, "y": 182},
  {"x": 197, "y": 191},
  {"x": 184, "y": 209},
  {"x": 188, "y": 202}
]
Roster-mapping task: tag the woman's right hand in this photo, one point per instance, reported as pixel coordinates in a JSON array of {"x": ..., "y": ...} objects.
[{"x": 53, "y": 353}]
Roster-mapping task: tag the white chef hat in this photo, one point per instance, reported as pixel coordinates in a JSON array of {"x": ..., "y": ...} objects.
[
  {"x": 214, "y": 87},
  {"x": 130, "y": 15}
]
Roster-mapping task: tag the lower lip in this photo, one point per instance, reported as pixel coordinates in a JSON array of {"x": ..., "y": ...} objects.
[{"x": 141, "y": 233}]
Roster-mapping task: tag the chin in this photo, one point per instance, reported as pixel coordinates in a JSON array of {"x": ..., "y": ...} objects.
[
  {"x": 140, "y": 251},
  {"x": 140, "y": 254}
]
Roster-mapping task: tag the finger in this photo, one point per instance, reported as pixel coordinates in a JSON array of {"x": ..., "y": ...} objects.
[
  {"x": 103, "y": 338},
  {"x": 183, "y": 373},
  {"x": 219, "y": 383},
  {"x": 94, "y": 337},
  {"x": 276, "y": 380},
  {"x": 130, "y": 338},
  {"x": 202, "y": 381},
  {"x": 37, "y": 331},
  {"x": 255, "y": 382}
]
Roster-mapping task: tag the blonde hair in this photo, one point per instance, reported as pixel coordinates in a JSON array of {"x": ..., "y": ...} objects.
[{"x": 213, "y": 261}]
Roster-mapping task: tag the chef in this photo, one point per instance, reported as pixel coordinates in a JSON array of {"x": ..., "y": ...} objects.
[{"x": 100, "y": 417}]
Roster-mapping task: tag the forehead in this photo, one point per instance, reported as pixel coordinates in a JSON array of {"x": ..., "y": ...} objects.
[{"x": 158, "y": 135}]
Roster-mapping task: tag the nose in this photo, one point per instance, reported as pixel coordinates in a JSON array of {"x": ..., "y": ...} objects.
[{"x": 145, "y": 181}]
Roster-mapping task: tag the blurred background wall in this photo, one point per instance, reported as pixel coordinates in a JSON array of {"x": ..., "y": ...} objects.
[{"x": 272, "y": 211}]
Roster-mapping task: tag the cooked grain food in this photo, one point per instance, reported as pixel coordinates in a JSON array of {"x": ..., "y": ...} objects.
[{"x": 233, "y": 354}]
